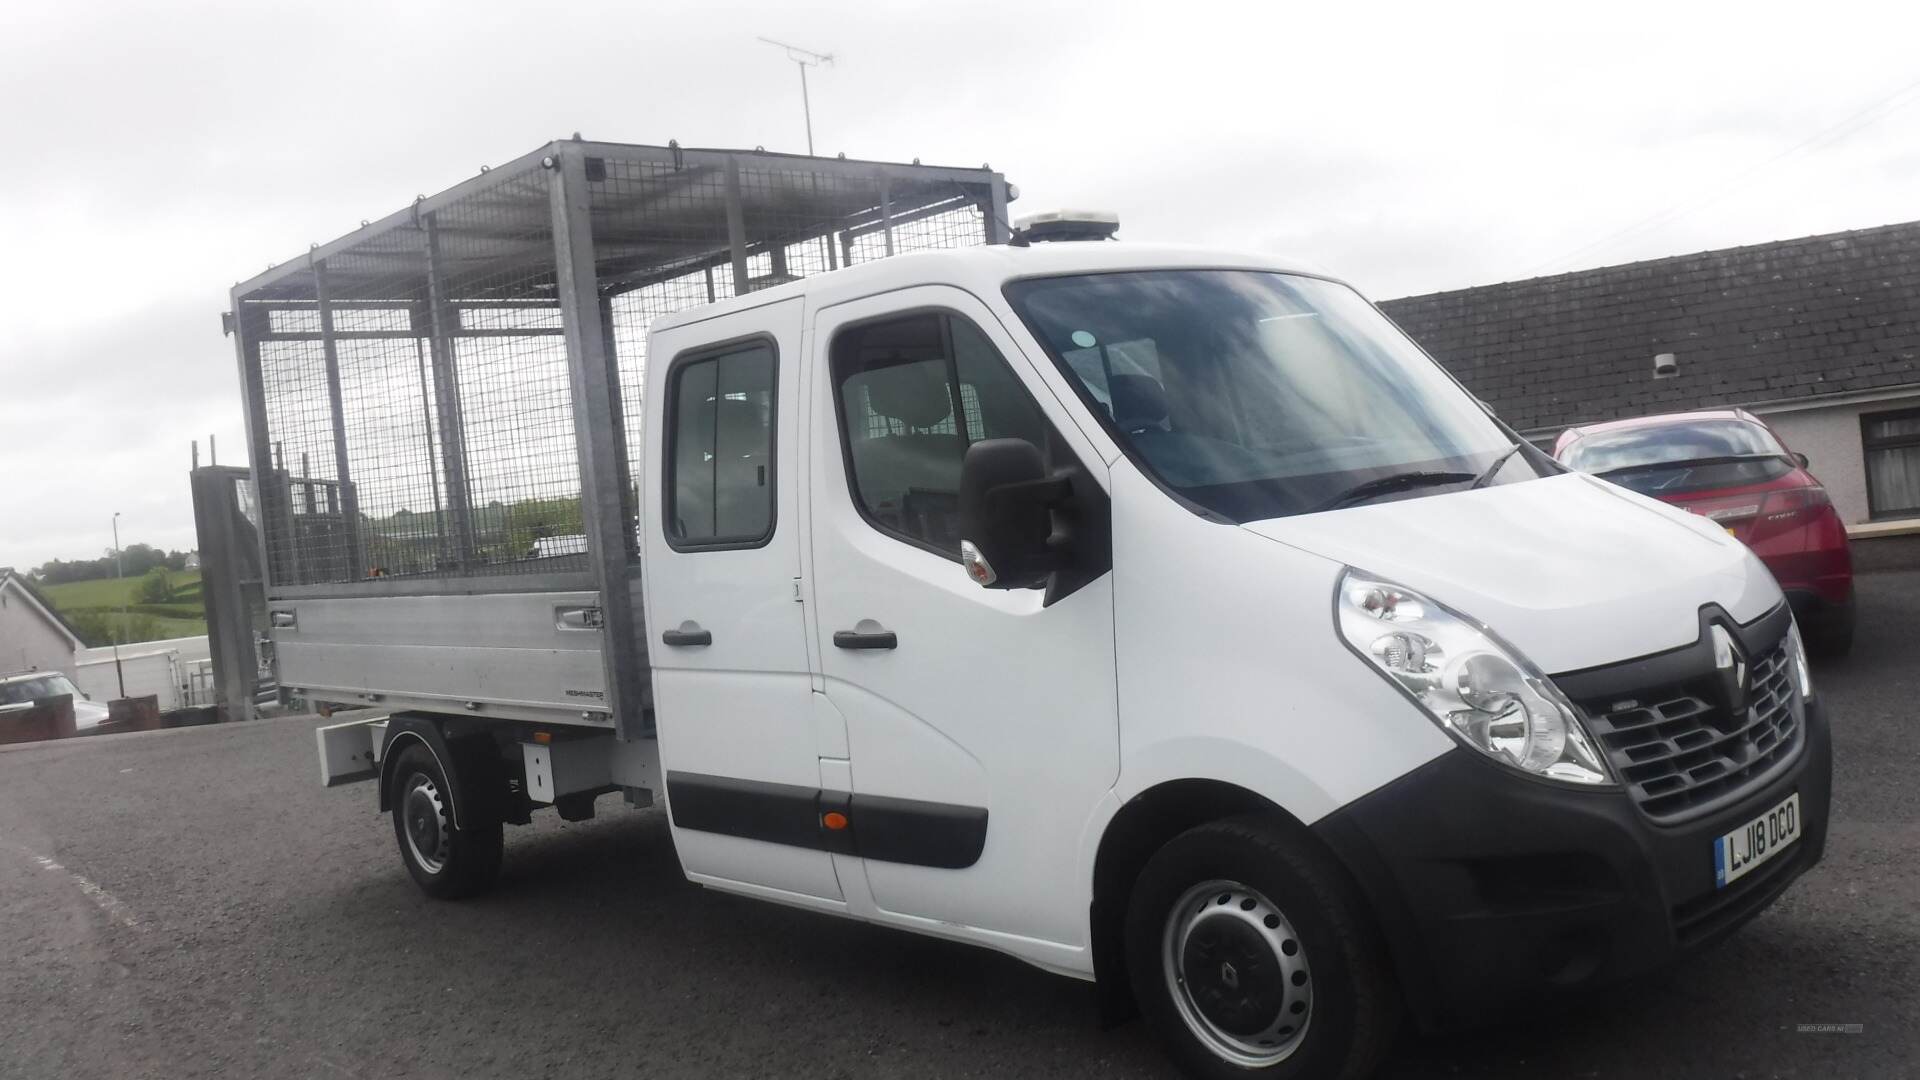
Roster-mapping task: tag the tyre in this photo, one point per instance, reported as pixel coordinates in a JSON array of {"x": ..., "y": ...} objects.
[
  {"x": 1249, "y": 951},
  {"x": 446, "y": 861}
]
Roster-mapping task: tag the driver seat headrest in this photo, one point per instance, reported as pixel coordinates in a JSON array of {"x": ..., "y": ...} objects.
[
  {"x": 1139, "y": 401},
  {"x": 914, "y": 394}
]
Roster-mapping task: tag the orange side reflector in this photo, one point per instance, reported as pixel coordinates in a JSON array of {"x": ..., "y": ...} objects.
[
  {"x": 543, "y": 737},
  {"x": 834, "y": 819}
]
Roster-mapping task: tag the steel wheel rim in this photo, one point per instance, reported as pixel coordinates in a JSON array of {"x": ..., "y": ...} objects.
[
  {"x": 1237, "y": 972},
  {"x": 424, "y": 823}
]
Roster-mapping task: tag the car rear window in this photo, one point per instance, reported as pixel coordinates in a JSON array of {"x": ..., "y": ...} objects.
[
  {"x": 1669, "y": 459},
  {"x": 1657, "y": 443},
  {"x": 1680, "y": 478}
]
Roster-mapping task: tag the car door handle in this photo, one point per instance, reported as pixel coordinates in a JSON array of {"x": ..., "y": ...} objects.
[
  {"x": 689, "y": 634},
  {"x": 854, "y": 639}
]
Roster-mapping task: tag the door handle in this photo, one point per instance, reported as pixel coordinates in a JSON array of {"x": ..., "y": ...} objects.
[
  {"x": 854, "y": 639},
  {"x": 688, "y": 634}
]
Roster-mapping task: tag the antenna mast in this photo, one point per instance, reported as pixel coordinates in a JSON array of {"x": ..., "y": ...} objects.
[{"x": 804, "y": 59}]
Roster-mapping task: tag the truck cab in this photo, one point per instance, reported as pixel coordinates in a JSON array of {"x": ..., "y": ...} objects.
[{"x": 1168, "y": 617}]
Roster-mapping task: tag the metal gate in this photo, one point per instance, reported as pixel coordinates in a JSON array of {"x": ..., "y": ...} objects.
[{"x": 233, "y": 592}]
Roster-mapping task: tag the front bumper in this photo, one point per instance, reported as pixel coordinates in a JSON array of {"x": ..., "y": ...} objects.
[{"x": 1498, "y": 892}]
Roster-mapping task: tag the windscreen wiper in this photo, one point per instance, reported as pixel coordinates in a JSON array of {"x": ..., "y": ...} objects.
[
  {"x": 1689, "y": 463},
  {"x": 1487, "y": 474},
  {"x": 1381, "y": 485}
]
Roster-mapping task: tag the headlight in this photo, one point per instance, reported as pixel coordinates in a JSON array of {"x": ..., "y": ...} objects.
[
  {"x": 1797, "y": 656},
  {"x": 1472, "y": 684}
]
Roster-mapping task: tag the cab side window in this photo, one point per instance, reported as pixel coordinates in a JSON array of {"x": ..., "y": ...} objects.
[
  {"x": 914, "y": 392},
  {"x": 719, "y": 452}
]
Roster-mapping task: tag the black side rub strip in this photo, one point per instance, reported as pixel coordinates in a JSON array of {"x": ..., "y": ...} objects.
[{"x": 909, "y": 831}]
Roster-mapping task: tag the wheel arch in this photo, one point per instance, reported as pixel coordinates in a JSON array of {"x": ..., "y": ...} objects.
[
  {"x": 1143, "y": 825},
  {"x": 425, "y": 730}
]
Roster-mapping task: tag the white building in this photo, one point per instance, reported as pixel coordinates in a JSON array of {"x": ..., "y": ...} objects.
[{"x": 33, "y": 636}]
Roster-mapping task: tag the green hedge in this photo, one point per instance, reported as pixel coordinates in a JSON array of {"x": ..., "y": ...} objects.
[{"x": 171, "y": 610}]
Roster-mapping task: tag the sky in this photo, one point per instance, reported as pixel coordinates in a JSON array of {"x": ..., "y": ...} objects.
[{"x": 153, "y": 154}]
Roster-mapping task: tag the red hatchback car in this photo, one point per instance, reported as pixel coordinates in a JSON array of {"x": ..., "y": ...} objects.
[{"x": 1730, "y": 466}]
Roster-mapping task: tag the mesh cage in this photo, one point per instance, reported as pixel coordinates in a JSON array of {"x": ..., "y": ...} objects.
[{"x": 411, "y": 405}]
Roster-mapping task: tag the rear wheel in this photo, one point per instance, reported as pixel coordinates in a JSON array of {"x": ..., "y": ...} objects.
[
  {"x": 1248, "y": 949},
  {"x": 447, "y": 860}
]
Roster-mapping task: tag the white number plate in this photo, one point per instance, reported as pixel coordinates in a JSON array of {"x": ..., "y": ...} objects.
[{"x": 1755, "y": 842}]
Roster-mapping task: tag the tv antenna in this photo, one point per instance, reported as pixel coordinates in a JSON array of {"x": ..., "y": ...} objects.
[{"x": 804, "y": 59}]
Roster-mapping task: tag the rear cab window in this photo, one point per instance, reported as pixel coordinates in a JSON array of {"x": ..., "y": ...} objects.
[{"x": 720, "y": 414}]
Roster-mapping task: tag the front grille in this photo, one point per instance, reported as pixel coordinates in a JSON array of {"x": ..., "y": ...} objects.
[{"x": 1687, "y": 751}]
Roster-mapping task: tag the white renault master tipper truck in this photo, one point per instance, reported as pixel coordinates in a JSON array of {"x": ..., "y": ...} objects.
[{"x": 1161, "y": 617}]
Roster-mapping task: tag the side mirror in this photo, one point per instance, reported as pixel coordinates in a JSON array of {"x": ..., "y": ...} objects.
[
  {"x": 1801, "y": 458},
  {"x": 1006, "y": 519}
]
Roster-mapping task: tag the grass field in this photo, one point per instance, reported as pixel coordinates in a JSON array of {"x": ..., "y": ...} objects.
[
  {"x": 94, "y": 608},
  {"x": 113, "y": 592}
]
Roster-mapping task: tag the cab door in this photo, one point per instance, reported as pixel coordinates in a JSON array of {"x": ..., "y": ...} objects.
[
  {"x": 981, "y": 724},
  {"x": 722, "y": 534}
]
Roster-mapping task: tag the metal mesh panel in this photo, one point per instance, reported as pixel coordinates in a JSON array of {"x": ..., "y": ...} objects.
[
  {"x": 954, "y": 226},
  {"x": 455, "y": 420},
  {"x": 410, "y": 384}
]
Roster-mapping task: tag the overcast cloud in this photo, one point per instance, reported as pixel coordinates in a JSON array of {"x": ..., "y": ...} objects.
[{"x": 151, "y": 155}]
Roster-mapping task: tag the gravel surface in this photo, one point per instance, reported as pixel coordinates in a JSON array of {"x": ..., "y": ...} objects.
[{"x": 192, "y": 903}]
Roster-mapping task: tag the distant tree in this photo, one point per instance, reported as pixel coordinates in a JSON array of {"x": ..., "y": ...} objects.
[
  {"x": 156, "y": 587},
  {"x": 135, "y": 561},
  {"x": 59, "y": 572}
]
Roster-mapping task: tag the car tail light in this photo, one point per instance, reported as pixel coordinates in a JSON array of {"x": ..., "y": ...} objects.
[{"x": 1789, "y": 509}]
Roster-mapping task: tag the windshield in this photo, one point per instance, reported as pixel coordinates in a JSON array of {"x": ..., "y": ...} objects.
[
  {"x": 1253, "y": 394},
  {"x": 34, "y": 689}
]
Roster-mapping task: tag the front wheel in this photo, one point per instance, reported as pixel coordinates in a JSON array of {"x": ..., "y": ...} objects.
[
  {"x": 1248, "y": 949},
  {"x": 447, "y": 861}
]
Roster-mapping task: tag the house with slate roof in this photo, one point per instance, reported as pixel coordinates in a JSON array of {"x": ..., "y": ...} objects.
[{"x": 1820, "y": 336}]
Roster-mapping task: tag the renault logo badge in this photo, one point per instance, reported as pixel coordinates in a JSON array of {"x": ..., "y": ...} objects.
[{"x": 1731, "y": 663}]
